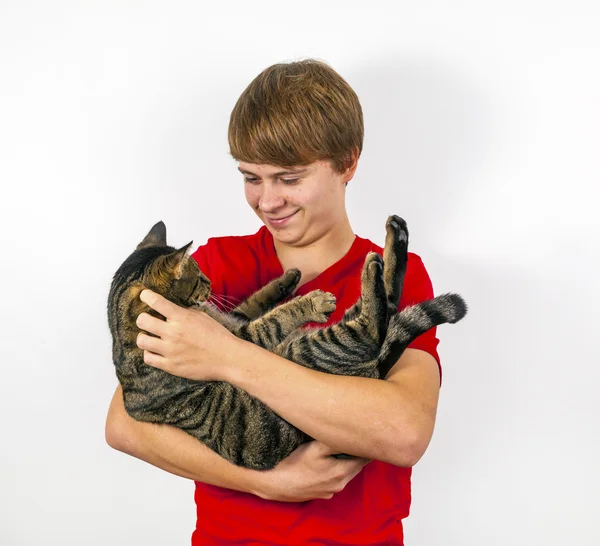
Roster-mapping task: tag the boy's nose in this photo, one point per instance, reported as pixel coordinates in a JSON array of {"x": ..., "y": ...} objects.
[{"x": 270, "y": 200}]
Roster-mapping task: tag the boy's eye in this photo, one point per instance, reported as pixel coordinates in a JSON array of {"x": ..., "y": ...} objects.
[{"x": 286, "y": 181}]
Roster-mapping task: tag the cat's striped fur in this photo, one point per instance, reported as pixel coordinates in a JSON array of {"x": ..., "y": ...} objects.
[{"x": 366, "y": 342}]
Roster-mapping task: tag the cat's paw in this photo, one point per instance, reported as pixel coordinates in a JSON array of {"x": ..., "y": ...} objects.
[
  {"x": 322, "y": 304},
  {"x": 396, "y": 227},
  {"x": 373, "y": 266},
  {"x": 288, "y": 281}
]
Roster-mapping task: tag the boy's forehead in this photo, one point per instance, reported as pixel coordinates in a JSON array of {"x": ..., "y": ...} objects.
[{"x": 273, "y": 170}]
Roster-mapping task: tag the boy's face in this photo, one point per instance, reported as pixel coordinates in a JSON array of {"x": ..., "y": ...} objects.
[{"x": 299, "y": 205}]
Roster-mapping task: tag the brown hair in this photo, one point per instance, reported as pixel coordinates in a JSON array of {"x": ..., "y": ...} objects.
[{"x": 294, "y": 114}]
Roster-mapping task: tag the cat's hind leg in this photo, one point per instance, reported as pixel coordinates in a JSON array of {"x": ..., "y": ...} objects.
[
  {"x": 373, "y": 318},
  {"x": 395, "y": 258},
  {"x": 347, "y": 347}
]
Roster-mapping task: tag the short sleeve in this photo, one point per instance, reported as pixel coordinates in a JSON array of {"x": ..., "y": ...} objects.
[{"x": 418, "y": 288}]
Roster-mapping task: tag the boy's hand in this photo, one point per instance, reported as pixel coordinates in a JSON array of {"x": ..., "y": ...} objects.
[
  {"x": 309, "y": 472},
  {"x": 189, "y": 343}
]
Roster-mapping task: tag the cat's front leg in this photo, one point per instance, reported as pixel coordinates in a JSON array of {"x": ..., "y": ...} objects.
[
  {"x": 271, "y": 329},
  {"x": 268, "y": 296}
]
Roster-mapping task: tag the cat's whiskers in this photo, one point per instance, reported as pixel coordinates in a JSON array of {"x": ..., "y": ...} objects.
[
  {"x": 212, "y": 305},
  {"x": 230, "y": 299},
  {"x": 224, "y": 302}
]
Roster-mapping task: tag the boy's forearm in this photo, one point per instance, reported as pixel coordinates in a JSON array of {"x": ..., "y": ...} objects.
[
  {"x": 365, "y": 417},
  {"x": 174, "y": 450}
]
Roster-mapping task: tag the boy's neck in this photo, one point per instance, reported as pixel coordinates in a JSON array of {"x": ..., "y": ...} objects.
[{"x": 315, "y": 258}]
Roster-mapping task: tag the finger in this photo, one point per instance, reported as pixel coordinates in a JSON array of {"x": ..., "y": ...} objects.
[
  {"x": 355, "y": 468},
  {"x": 338, "y": 456},
  {"x": 156, "y": 361},
  {"x": 323, "y": 448},
  {"x": 361, "y": 461},
  {"x": 165, "y": 307},
  {"x": 350, "y": 477},
  {"x": 152, "y": 324},
  {"x": 149, "y": 343}
]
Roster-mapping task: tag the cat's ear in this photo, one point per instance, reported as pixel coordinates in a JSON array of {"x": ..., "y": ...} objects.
[
  {"x": 175, "y": 260},
  {"x": 157, "y": 236}
]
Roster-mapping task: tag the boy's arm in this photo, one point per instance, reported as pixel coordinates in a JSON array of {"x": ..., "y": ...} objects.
[
  {"x": 388, "y": 420},
  {"x": 308, "y": 473},
  {"x": 173, "y": 450}
]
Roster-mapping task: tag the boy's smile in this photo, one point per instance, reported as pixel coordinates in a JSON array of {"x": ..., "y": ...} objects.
[{"x": 280, "y": 221}]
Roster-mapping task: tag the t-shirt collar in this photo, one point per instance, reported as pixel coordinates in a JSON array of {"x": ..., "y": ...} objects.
[{"x": 272, "y": 267}]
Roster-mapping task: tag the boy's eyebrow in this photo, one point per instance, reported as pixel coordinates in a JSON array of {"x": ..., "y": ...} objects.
[{"x": 279, "y": 173}]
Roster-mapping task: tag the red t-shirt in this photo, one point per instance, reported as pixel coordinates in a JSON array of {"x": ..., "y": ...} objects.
[{"x": 370, "y": 508}]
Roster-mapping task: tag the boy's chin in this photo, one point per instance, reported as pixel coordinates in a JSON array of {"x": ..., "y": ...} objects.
[{"x": 287, "y": 235}]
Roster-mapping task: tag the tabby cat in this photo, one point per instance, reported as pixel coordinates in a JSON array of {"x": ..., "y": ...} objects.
[{"x": 366, "y": 342}]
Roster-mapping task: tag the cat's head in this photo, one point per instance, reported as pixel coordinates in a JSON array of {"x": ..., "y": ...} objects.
[{"x": 164, "y": 269}]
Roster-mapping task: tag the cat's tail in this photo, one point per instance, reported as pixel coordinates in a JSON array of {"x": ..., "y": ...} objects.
[{"x": 405, "y": 326}]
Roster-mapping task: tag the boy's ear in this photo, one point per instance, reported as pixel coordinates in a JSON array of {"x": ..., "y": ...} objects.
[{"x": 351, "y": 164}]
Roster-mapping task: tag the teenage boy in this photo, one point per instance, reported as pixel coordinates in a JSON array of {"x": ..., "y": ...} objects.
[{"x": 297, "y": 134}]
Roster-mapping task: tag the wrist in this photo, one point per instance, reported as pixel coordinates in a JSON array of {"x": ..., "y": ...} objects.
[
  {"x": 251, "y": 481},
  {"x": 230, "y": 360},
  {"x": 258, "y": 483}
]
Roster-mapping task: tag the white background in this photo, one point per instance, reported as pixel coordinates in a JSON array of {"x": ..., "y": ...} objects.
[{"x": 482, "y": 130}]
